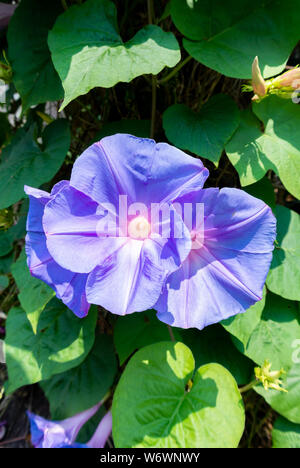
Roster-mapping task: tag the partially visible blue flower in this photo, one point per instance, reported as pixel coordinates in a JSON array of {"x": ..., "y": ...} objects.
[
  {"x": 61, "y": 434},
  {"x": 102, "y": 432}
]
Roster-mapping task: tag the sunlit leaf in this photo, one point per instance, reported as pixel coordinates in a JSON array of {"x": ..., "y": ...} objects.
[
  {"x": 254, "y": 150},
  {"x": 163, "y": 408},
  {"x": 87, "y": 50},
  {"x": 62, "y": 341},
  {"x": 226, "y": 36}
]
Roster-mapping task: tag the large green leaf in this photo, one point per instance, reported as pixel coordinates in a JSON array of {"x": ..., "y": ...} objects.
[
  {"x": 254, "y": 151},
  {"x": 27, "y": 163},
  {"x": 242, "y": 325},
  {"x": 222, "y": 351},
  {"x": 83, "y": 386},
  {"x": 62, "y": 342},
  {"x": 264, "y": 190},
  {"x": 205, "y": 132},
  {"x": 34, "y": 294},
  {"x": 274, "y": 338},
  {"x": 33, "y": 73},
  {"x": 163, "y": 407},
  {"x": 285, "y": 434},
  {"x": 134, "y": 331},
  {"x": 226, "y": 36},
  {"x": 284, "y": 275},
  {"x": 87, "y": 50}
]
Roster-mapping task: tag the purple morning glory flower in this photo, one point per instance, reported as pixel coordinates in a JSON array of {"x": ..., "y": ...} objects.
[
  {"x": 69, "y": 229},
  {"x": 69, "y": 286},
  {"x": 102, "y": 432},
  {"x": 226, "y": 269},
  {"x": 55, "y": 434},
  {"x": 63, "y": 434},
  {"x": 207, "y": 274}
]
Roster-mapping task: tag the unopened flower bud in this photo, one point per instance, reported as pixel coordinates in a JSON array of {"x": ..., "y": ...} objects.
[
  {"x": 258, "y": 83},
  {"x": 291, "y": 78}
]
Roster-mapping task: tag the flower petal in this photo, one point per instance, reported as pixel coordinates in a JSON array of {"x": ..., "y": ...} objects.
[
  {"x": 102, "y": 432},
  {"x": 73, "y": 425},
  {"x": 56, "y": 434},
  {"x": 138, "y": 167},
  {"x": 225, "y": 276},
  {"x": 69, "y": 287},
  {"x": 129, "y": 281},
  {"x": 72, "y": 224}
]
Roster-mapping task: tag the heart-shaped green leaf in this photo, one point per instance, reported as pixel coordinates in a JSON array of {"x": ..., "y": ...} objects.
[
  {"x": 226, "y": 36},
  {"x": 206, "y": 132},
  {"x": 254, "y": 151},
  {"x": 87, "y": 50},
  {"x": 222, "y": 352},
  {"x": 165, "y": 404}
]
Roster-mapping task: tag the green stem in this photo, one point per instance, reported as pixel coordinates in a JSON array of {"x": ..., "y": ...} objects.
[
  {"x": 64, "y": 4},
  {"x": 175, "y": 70},
  {"x": 171, "y": 333},
  {"x": 150, "y": 11},
  {"x": 248, "y": 386},
  {"x": 106, "y": 397}
]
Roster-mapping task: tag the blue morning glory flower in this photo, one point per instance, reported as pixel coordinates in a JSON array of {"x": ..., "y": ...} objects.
[
  {"x": 97, "y": 234},
  {"x": 63, "y": 434}
]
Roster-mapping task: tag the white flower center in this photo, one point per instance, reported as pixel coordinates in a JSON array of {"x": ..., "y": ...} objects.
[{"x": 139, "y": 228}]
